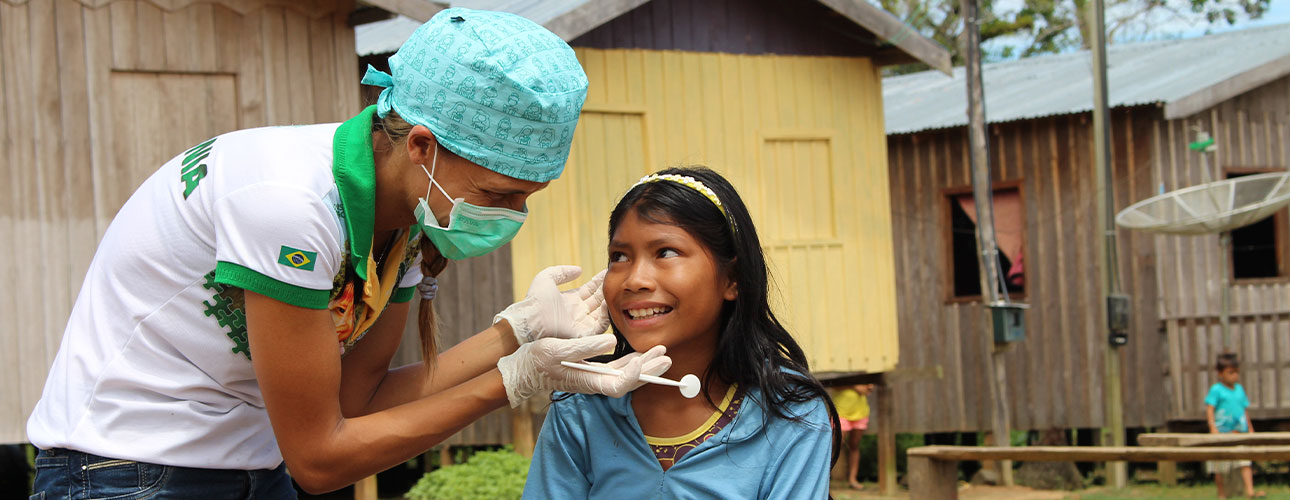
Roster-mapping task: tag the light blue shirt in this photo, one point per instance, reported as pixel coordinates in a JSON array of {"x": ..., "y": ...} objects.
[
  {"x": 591, "y": 447},
  {"x": 1229, "y": 407}
]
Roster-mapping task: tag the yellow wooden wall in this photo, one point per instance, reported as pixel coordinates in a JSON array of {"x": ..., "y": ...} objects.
[
  {"x": 801, "y": 138},
  {"x": 96, "y": 94}
]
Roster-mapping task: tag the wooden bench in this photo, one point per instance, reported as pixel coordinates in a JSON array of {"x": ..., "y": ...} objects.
[
  {"x": 933, "y": 470},
  {"x": 1229, "y": 439},
  {"x": 1167, "y": 472}
]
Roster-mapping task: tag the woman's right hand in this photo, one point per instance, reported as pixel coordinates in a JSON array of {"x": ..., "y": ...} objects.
[{"x": 535, "y": 367}]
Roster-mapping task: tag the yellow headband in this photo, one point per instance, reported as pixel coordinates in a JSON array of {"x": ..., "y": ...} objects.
[{"x": 686, "y": 181}]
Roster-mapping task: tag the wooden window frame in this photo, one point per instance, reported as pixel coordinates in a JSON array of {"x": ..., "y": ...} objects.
[
  {"x": 947, "y": 236},
  {"x": 1282, "y": 236},
  {"x": 947, "y": 196}
]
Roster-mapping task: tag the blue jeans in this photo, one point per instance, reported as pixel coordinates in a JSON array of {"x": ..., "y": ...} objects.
[{"x": 71, "y": 475}]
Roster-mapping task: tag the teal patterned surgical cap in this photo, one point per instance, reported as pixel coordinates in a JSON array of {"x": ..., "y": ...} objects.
[{"x": 495, "y": 88}]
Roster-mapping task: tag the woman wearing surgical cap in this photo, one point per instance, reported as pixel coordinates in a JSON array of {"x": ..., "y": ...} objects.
[{"x": 240, "y": 314}]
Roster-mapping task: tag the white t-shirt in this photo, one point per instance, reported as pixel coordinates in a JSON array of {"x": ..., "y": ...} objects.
[{"x": 154, "y": 364}]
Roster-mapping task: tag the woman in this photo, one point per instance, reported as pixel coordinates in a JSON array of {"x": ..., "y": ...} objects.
[{"x": 216, "y": 339}]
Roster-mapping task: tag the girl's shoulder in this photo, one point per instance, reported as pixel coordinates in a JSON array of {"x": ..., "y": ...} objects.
[
  {"x": 810, "y": 414},
  {"x": 582, "y": 407}
]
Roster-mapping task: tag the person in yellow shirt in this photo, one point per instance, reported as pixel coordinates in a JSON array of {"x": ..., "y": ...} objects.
[{"x": 853, "y": 414}]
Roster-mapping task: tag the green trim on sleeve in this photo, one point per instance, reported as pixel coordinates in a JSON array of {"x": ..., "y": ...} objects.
[
  {"x": 403, "y": 295},
  {"x": 245, "y": 278}
]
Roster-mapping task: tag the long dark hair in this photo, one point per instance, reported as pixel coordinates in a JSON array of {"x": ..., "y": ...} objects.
[{"x": 753, "y": 348}]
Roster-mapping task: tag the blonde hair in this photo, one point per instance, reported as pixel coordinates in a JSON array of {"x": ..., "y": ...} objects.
[{"x": 432, "y": 262}]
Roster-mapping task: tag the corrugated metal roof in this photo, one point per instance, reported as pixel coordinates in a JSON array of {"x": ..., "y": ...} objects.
[
  {"x": 387, "y": 36},
  {"x": 1138, "y": 73},
  {"x": 383, "y": 36}
]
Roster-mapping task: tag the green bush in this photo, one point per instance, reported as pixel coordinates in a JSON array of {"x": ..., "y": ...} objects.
[{"x": 487, "y": 475}]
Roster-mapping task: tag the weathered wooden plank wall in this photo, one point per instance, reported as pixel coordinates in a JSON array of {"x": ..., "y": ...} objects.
[
  {"x": 1142, "y": 369},
  {"x": 470, "y": 293},
  {"x": 96, "y": 94},
  {"x": 734, "y": 27},
  {"x": 1055, "y": 375},
  {"x": 1251, "y": 131}
]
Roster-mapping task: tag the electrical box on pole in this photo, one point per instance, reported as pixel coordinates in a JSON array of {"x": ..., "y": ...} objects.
[
  {"x": 1009, "y": 322},
  {"x": 1117, "y": 318}
]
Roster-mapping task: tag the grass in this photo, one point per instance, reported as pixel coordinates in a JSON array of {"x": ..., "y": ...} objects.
[{"x": 1274, "y": 491}]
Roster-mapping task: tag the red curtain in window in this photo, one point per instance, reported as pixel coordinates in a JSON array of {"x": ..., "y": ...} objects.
[{"x": 1008, "y": 225}]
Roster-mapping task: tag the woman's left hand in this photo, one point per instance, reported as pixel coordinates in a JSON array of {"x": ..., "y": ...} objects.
[{"x": 548, "y": 312}]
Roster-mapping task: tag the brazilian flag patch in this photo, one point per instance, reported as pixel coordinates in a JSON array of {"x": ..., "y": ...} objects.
[{"x": 296, "y": 258}]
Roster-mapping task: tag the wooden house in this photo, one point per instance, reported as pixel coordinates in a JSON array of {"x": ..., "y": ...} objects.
[
  {"x": 783, "y": 97},
  {"x": 1043, "y": 172},
  {"x": 96, "y": 94}
]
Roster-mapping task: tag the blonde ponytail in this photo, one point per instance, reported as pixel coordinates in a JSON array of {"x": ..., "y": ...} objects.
[{"x": 432, "y": 263}]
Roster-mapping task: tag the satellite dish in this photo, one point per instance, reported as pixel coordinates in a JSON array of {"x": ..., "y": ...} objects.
[{"x": 1210, "y": 208}]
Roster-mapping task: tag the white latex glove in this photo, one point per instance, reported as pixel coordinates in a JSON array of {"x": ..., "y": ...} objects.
[
  {"x": 548, "y": 312},
  {"x": 535, "y": 368}
]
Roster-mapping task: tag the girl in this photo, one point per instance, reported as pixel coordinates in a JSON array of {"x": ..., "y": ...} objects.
[
  {"x": 686, "y": 271},
  {"x": 853, "y": 419}
]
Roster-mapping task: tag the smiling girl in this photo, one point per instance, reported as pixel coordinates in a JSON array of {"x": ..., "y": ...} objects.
[{"x": 686, "y": 272}]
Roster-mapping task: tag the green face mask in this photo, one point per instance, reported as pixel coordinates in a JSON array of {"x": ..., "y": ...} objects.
[{"x": 472, "y": 230}]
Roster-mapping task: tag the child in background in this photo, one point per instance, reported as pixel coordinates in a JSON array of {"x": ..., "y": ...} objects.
[
  {"x": 853, "y": 414},
  {"x": 686, "y": 271},
  {"x": 1225, "y": 409}
]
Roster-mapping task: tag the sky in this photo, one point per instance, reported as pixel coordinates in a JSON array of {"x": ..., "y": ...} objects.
[
  {"x": 1176, "y": 22},
  {"x": 1191, "y": 25}
]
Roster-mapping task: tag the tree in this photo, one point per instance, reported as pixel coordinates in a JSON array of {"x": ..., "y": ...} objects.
[
  {"x": 940, "y": 21},
  {"x": 1052, "y": 26}
]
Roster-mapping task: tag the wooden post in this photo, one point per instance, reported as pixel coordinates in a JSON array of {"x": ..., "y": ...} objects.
[
  {"x": 445, "y": 456},
  {"x": 522, "y": 430},
  {"x": 1233, "y": 483},
  {"x": 1225, "y": 305},
  {"x": 839, "y": 470},
  {"x": 1113, "y": 431},
  {"x": 1002, "y": 422},
  {"x": 933, "y": 479},
  {"x": 987, "y": 250},
  {"x": 886, "y": 440},
  {"x": 365, "y": 489},
  {"x": 1167, "y": 473},
  {"x": 1003, "y": 467}
]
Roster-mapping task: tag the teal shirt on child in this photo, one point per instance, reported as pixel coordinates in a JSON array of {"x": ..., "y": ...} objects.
[{"x": 1229, "y": 407}]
